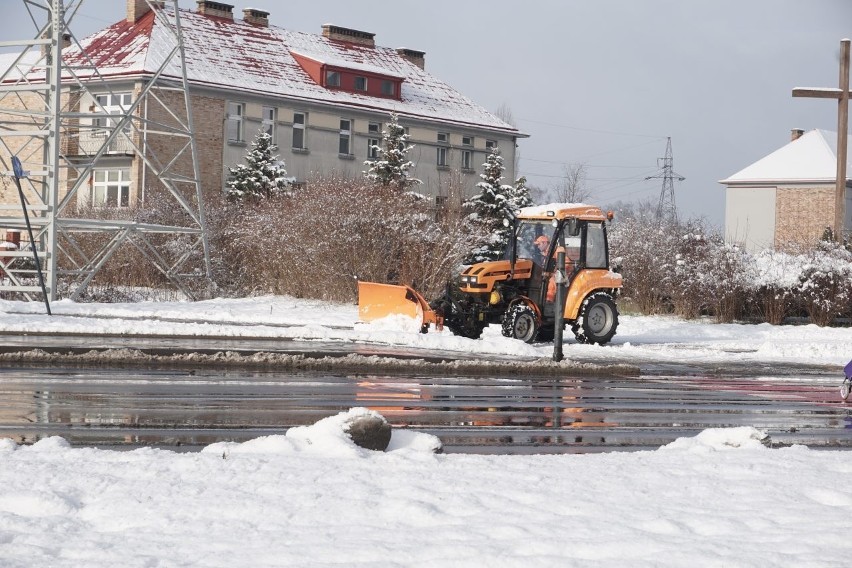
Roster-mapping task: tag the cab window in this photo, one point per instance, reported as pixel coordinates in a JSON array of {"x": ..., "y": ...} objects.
[{"x": 595, "y": 246}]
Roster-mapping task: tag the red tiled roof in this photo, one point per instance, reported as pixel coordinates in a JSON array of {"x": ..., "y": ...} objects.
[{"x": 238, "y": 56}]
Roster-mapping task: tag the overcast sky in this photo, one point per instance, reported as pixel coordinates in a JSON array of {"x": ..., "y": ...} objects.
[{"x": 602, "y": 82}]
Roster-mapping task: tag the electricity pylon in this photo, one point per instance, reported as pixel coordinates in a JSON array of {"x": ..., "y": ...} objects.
[
  {"x": 666, "y": 209},
  {"x": 62, "y": 145}
]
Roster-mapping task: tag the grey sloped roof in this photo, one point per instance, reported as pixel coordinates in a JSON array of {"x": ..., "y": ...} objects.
[{"x": 239, "y": 56}]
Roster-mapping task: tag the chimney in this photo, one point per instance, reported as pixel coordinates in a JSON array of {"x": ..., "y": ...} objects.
[
  {"x": 256, "y": 17},
  {"x": 138, "y": 8},
  {"x": 795, "y": 134},
  {"x": 337, "y": 33},
  {"x": 414, "y": 56},
  {"x": 215, "y": 9},
  {"x": 45, "y": 49}
]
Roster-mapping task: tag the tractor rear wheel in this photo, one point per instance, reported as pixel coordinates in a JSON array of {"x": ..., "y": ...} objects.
[
  {"x": 598, "y": 319},
  {"x": 520, "y": 322}
]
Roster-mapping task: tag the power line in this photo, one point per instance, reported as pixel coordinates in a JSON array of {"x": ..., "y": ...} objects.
[{"x": 657, "y": 137}]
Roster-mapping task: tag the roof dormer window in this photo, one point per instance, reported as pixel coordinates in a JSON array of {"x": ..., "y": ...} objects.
[
  {"x": 332, "y": 79},
  {"x": 351, "y": 76}
]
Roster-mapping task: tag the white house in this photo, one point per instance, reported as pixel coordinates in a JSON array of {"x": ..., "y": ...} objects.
[{"x": 787, "y": 197}]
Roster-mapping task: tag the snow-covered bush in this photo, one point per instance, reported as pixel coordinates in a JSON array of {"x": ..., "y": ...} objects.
[
  {"x": 648, "y": 253},
  {"x": 773, "y": 278},
  {"x": 825, "y": 283},
  {"x": 336, "y": 232}
]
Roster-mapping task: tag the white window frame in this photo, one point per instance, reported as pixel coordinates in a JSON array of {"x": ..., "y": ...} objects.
[
  {"x": 489, "y": 144},
  {"x": 268, "y": 120},
  {"x": 345, "y": 140},
  {"x": 300, "y": 128},
  {"x": 374, "y": 129},
  {"x": 358, "y": 79},
  {"x": 110, "y": 188},
  {"x": 332, "y": 78},
  {"x": 115, "y": 103},
  {"x": 442, "y": 157},
  {"x": 388, "y": 88},
  {"x": 236, "y": 122},
  {"x": 467, "y": 160}
]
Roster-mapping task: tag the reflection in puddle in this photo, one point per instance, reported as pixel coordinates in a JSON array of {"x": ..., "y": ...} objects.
[{"x": 470, "y": 414}]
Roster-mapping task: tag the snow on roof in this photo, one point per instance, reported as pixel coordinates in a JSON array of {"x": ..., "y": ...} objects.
[
  {"x": 562, "y": 210},
  {"x": 235, "y": 55},
  {"x": 810, "y": 158},
  {"x": 339, "y": 62},
  {"x": 24, "y": 65}
]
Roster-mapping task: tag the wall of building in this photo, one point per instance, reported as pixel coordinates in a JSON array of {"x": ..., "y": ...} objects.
[
  {"x": 802, "y": 214},
  {"x": 322, "y": 137},
  {"x": 750, "y": 217}
]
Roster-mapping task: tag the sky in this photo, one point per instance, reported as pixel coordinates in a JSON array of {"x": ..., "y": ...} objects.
[
  {"x": 309, "y": 497},
  {"x": 604, "y": 83}
]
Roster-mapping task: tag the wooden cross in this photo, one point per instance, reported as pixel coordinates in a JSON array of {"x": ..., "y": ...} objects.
[{"x": 842, "y": 96}]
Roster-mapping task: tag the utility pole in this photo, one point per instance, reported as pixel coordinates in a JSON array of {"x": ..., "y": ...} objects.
[
  {"x": 666, "y": 209},
  {"x": 842, "y": 96}
]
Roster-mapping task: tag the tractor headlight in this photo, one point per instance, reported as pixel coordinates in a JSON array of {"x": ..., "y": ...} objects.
[
  {"x": 495, "y": 298},
  {"x": 469, "y": 279}
]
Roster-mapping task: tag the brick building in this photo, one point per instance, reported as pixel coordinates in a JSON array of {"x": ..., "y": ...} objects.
[
  {"x": 323, "y": 97},
  {"x": 786, "y": 197}
]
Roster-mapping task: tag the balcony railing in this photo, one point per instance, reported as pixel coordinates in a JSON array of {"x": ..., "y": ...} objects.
[{"x": 89, "y": 142}]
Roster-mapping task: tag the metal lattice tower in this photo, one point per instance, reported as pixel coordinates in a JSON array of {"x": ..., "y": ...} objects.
[
  {"x": 666, "y": 209},
  {"x": 42, "y": 123}
]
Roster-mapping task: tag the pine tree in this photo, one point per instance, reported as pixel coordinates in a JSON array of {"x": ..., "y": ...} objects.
[
  {"x": 391, "y": 168},
  {"x": 262, "y": 176},
  {"x": 495, "y": 202},
  {"x": 521, "y": 195}
]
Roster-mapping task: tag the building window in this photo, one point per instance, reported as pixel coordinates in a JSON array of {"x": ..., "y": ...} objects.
[
  {"x": 467, "y": 153},
  {"x": 332, "y": 79},
  {"x": 360, "y": 83},
  {"x": 268, "y": 119},
  {"x": 116, "y": 103},
  {"x": 442, "y": 157},
  {"x": 111, "y": 188},
  {"x": 490, "y": 145},
  {"x": 388, "y": 88},
  {"x": 299, "y": 120},
  {"x": 236, "y": 112},
  {"x": 373, "y": 129},
  {"x": 345, "y": 137},
  {"x": 443, "y": 138}
]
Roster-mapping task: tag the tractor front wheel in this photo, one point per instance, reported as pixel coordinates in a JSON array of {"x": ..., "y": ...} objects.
[
  {"x": 598, "y": 319},
  {"x": 520, "y": 322}
]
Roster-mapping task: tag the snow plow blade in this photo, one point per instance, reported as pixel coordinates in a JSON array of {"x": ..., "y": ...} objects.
[{"x": 377, "y": 301}]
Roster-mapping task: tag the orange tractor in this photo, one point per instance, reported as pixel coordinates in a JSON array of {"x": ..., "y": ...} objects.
[{"x": 519, "y": 290}]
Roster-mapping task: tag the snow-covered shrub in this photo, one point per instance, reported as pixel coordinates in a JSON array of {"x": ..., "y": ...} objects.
[
  {"x": 333, "y": 233},
  {"x": 773, "y": 278},
  {"x": 693, "y": 260},
  {"x": 825, "y": 283},
  {"x": 726, "y": 283},
  {"x": 648, "y": 253}
]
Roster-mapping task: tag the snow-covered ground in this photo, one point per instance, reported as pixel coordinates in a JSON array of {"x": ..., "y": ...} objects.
[
  {"x": 639, "y": 339},
  {"x": 312, "y": 498}
]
